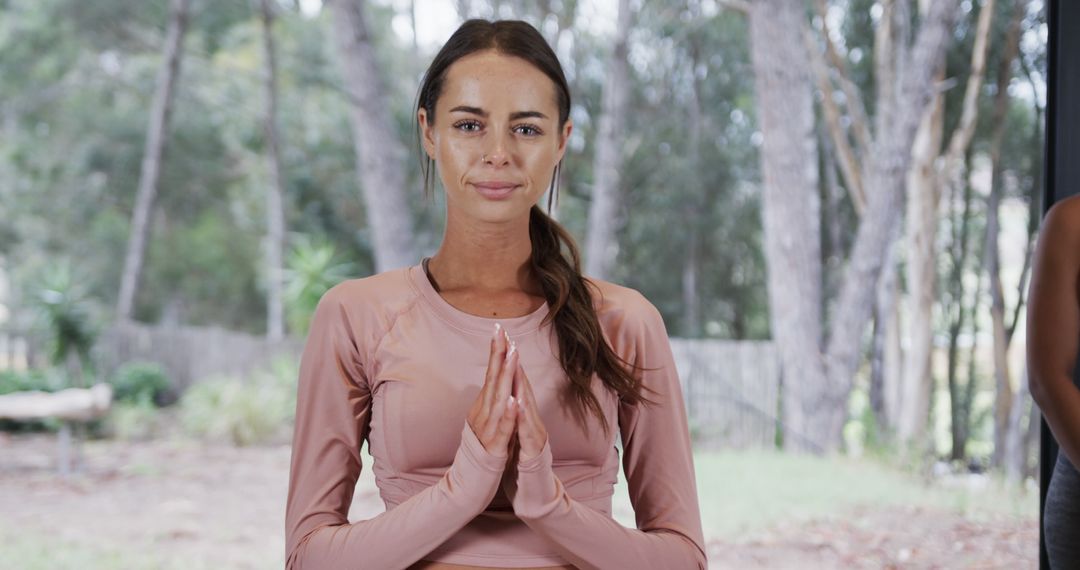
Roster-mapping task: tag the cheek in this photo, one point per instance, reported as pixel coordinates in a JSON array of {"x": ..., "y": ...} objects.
[
  {"x": 541, "y": 160},
  {"x": 454, "y": 158}
]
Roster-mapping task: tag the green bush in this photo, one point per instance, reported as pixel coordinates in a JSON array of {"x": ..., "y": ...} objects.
[
  {"x": 252, "y": 410},
  {"x": 139, "y": 382},
  {"x": 45, "y": 380},
  {"x": 131, "y": 421}
]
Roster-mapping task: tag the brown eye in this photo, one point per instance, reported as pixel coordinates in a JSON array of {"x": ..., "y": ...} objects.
[
  {"x": 467, "y": 126},
  {"x": 528, "y": 130}
]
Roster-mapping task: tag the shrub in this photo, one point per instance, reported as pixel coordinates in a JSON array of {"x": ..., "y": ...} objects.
[
  {"x": 130, "y": 421},
  {"x": 252, "y": 410},
  {"x": 136, "y": 382},
  {"x": 45, "y": 380}
]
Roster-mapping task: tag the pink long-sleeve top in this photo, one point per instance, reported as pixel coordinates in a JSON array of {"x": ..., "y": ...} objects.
[{"x": 388, "y": 360}]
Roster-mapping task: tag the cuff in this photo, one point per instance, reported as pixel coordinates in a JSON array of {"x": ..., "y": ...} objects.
[
  {"x": 475, "y": 452},
  {"x": 475, "y": 474},
  {"x": 538, "y": 490}
]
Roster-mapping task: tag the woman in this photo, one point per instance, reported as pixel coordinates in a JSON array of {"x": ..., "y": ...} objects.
[
  {"x": 471, "y": 373},
  {"x": 1053, "y": 338}
]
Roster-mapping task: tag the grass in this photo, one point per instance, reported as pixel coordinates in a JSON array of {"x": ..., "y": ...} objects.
[
  {"x": 741, "y": 492},
  {"x": 34, "y": 551}
]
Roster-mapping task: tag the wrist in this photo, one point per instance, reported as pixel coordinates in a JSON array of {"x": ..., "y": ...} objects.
[
  {"x": 537, "y": 489},
  {"x": 475, "y": 473}
]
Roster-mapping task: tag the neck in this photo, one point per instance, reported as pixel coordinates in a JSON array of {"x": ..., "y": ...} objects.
[{"x": 485, "y": 257}]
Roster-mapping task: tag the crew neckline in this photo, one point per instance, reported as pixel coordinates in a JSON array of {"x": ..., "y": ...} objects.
[{"x": 468, "y": 321}]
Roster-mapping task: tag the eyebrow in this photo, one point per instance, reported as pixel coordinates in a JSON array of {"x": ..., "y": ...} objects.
[{"x": 513, "y": 116}]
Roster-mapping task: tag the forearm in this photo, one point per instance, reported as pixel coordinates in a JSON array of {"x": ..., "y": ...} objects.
[
  {"x": 1059, "y": 401},
  {"x": 401, "y": 536},
  {"x": 588, "y": 538}
]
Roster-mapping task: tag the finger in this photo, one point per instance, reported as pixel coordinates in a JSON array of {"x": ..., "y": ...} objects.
[
  {"x": 506, "y": 376},
  {"x": 521, "y": 407},
  {"x": 504, "y": 407},
  {"x": 494, "y": 367},
  {"x": 506, "y": 425},
  {"x": 529, "y": 409},
  {"x": 524, "y": 386}
]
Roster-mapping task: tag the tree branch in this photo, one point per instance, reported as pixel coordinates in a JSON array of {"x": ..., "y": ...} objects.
[
  {"x": 856, "y": 108},
  {"x": 845, "y": 156}
]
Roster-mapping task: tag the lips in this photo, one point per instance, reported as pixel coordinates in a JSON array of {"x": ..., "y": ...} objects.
[{"x": 494, "y": 189}]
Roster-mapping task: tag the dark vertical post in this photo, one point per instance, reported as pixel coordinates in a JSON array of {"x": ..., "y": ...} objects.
[{"x": 1062, "y": 167}]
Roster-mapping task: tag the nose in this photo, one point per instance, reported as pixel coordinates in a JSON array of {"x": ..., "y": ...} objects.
[{"x": 496, "y": 153}]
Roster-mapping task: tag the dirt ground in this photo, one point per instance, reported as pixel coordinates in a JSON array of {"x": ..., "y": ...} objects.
[{"x": 187, "y": 505}]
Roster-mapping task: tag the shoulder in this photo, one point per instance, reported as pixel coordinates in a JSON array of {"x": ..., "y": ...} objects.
[
  {"x": 384, "y": 286},
  {"x": 373, "y": 301},
  {"x": 1064, "y": 215},
  {"x": 1061, "y": 226},
  {"x": 623, "y": 307}
]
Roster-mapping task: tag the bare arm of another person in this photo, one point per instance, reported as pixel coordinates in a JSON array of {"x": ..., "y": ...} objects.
[
  {"x": 333, "y": 406},
  {"x": 1053, "y": 324}
]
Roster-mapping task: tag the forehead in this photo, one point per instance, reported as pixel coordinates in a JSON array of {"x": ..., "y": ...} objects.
[{"x": 497, "y": 82}]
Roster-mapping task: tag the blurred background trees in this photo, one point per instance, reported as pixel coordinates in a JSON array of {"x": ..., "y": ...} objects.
[{"x": 264, "y": 150}]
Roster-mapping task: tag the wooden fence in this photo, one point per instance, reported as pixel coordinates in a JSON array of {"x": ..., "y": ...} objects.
[
  {"x": 187, "y": 353},
  {"x": 730, "y": 388}
]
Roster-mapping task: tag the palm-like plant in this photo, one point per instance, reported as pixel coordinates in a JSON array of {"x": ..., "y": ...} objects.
[
  {"x": 310, "y": 270},
  {"x": 65, "y": 315}
]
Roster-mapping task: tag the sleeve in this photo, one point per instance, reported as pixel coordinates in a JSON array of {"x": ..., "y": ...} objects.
[
  {"x": 659, "y": 466},
  {"x": 333, "y": 406}
]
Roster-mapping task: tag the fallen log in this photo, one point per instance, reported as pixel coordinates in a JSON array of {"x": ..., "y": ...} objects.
[
  {"x": 82, "y": 404},
  {"x": 72, "y": 405}
]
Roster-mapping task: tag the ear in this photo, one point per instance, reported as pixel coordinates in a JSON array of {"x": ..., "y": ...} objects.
[
  {"x": 427, "y": 135},
  {"x": 565, "y": 138}
]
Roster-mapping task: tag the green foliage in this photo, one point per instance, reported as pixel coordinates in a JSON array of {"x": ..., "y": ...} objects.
[
  {"x": 46, "y": 380},
  {"x": 65, "y": 313},
  {"x": 139, "y": 382},
  {"x": 128, "y": 420},
  {"x": 311, "y": 270},
  {"x": 245, "y": 411}
]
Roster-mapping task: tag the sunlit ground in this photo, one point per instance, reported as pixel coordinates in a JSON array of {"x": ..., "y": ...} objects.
[{"x": 178, "y": 504}]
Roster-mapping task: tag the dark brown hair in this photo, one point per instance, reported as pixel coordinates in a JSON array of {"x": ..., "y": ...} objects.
[{"x": 582, "y": 348}]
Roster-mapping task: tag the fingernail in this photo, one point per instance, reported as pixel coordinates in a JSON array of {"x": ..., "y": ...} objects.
[
  {"x": 513, "y": 347},
  {"x": 511, "y": 401},
  {"x": 498, "y": 328}
]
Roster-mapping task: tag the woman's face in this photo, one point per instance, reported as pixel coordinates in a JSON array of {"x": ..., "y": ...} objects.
[{"x": 495, "y": 136}]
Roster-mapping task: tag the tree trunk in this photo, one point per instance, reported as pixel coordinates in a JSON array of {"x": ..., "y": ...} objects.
[
  {"x": 153, "y": 154},
  {"x": 972, "y": 385},
  {"x": 380, "y": 156},
  {"x": 275, "y": 191},
  {"x": 695, "y": 201},
  {"x": 886, "y": 368},
  {"x": 821, "y": 396},
  {"x": 924, "y": 196},
  {"x": 883, "y": 178},
  {"x": 1004, "y": 397},
  {"x": 1014, "y": 458},
  {"x": 958, "y": 315},
  {"x": 1003, "y": 391},
  {"x": 791, "y": 218},
  {"x": 601, "y": 245},
  {"x": 1031, "y": 439}
]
